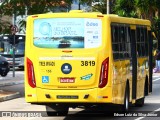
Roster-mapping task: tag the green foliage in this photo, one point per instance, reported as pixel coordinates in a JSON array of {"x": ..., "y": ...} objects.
[
  {"x": 156, "y": 28},
  {"x": 129, "y": 8},
  {"x": 145, "y": 9},
  {"x": 18, "y": 7},
  {"x": 4, "y": 27},
  {"x": 9, "y": 7},
  {"x": 101, "y": 7},
  {"x": 125, "y": 8}
]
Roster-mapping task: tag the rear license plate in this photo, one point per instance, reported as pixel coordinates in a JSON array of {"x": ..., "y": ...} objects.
[
  {"x": 67, "y": 97},
  {"x": 67, "y": 80}
]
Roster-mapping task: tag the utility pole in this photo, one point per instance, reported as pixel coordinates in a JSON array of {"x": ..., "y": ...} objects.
[
  {"x": 79, "y": 5},
  {"x": 26, "y": 11},
  {"x": 108, "y": 7},
  {"x": 14, "y": 38}
]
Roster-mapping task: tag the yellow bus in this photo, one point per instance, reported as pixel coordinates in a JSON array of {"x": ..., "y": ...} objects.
[{"x": 84, "y": 59}]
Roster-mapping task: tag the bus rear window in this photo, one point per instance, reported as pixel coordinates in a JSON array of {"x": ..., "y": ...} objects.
[{"x": 67, "y": 33}]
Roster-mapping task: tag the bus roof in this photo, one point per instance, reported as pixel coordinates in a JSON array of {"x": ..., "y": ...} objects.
[
  {"x": 113, "y": 18},
  {"x": 127, "y": 20}
]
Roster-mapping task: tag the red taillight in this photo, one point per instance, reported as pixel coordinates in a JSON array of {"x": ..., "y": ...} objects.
[
  {"x": 30, "y": 73},
  {"x": 104, "y": 73}
]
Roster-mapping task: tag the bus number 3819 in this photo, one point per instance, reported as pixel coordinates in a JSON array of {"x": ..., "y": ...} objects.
[{"x": 87, "y": 63}]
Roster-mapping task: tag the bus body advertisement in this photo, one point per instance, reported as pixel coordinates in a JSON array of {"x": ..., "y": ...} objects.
[{"x": 83, "y": 59}]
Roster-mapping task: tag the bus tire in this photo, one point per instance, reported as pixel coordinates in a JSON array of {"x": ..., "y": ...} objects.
[
  {"x": 146, "y": 87},
  {"x": 3, "y": 74},
  {"x": 139, "y": 102},
  {"x": 125, "y": 106},
  {"x": 57, "y": 110}
]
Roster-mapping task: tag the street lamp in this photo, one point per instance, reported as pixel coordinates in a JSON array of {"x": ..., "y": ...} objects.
[
  {"x": 14, "y": 32},
  {"x": 26, "y": 11}
]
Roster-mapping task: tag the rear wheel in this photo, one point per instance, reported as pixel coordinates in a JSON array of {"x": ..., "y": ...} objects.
[
  {"x": 140, "y": 102},
  {"x": 3, "y": 74},
  {"x": 146, "y": 87},
  {"x": 57, "y": 110}
]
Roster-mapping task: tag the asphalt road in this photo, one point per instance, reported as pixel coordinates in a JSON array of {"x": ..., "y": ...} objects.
[{"x": 152, "y": 105}]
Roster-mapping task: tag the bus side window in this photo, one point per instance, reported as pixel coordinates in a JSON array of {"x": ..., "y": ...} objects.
[
  {"x": 115, "y": 39},
  {"x": 143, "y": 47},
  {"x": 138, "y": 41},
  {"x": 146, "y": 42},
  {"x": 128, "y": 42},
  {"x": 142, "y": 43},
  {"x": 121, "y": 42},
  {"x": 125, "y": 43}
]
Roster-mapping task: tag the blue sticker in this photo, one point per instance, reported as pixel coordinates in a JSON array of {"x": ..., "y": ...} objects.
[
  {"x": 45, "y": 79},
  {"x": 66, "y": 68},
  {"x": 86, "y": 77}
]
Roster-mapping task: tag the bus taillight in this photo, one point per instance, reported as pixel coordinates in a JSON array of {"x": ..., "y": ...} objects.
[
  {"x": 30, "y": 73},
  {"x": 104, "y": 73}
]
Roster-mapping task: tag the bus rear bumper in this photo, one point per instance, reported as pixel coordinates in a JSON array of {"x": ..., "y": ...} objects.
[{"x": 94, "y": 95}]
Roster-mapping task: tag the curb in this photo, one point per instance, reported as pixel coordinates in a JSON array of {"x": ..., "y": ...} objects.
[
  {"x": 9, "y": 96},
  {"x": 11, "y": 83}
]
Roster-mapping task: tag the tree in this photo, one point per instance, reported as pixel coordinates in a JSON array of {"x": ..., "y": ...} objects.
[
  {"x": 144, "y": 9},
  {"x": 101, "y": 6},
  {"x": 148, "y": 9},
  {"x": 4, "y": 25},
  {"x": 125, "y": 8},
  {"x": 18, "y": 7},
  {"x": 8, "y": 7}
]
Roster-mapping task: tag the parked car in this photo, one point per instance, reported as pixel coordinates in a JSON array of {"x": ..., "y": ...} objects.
[{"x": 4, "y": 66}]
